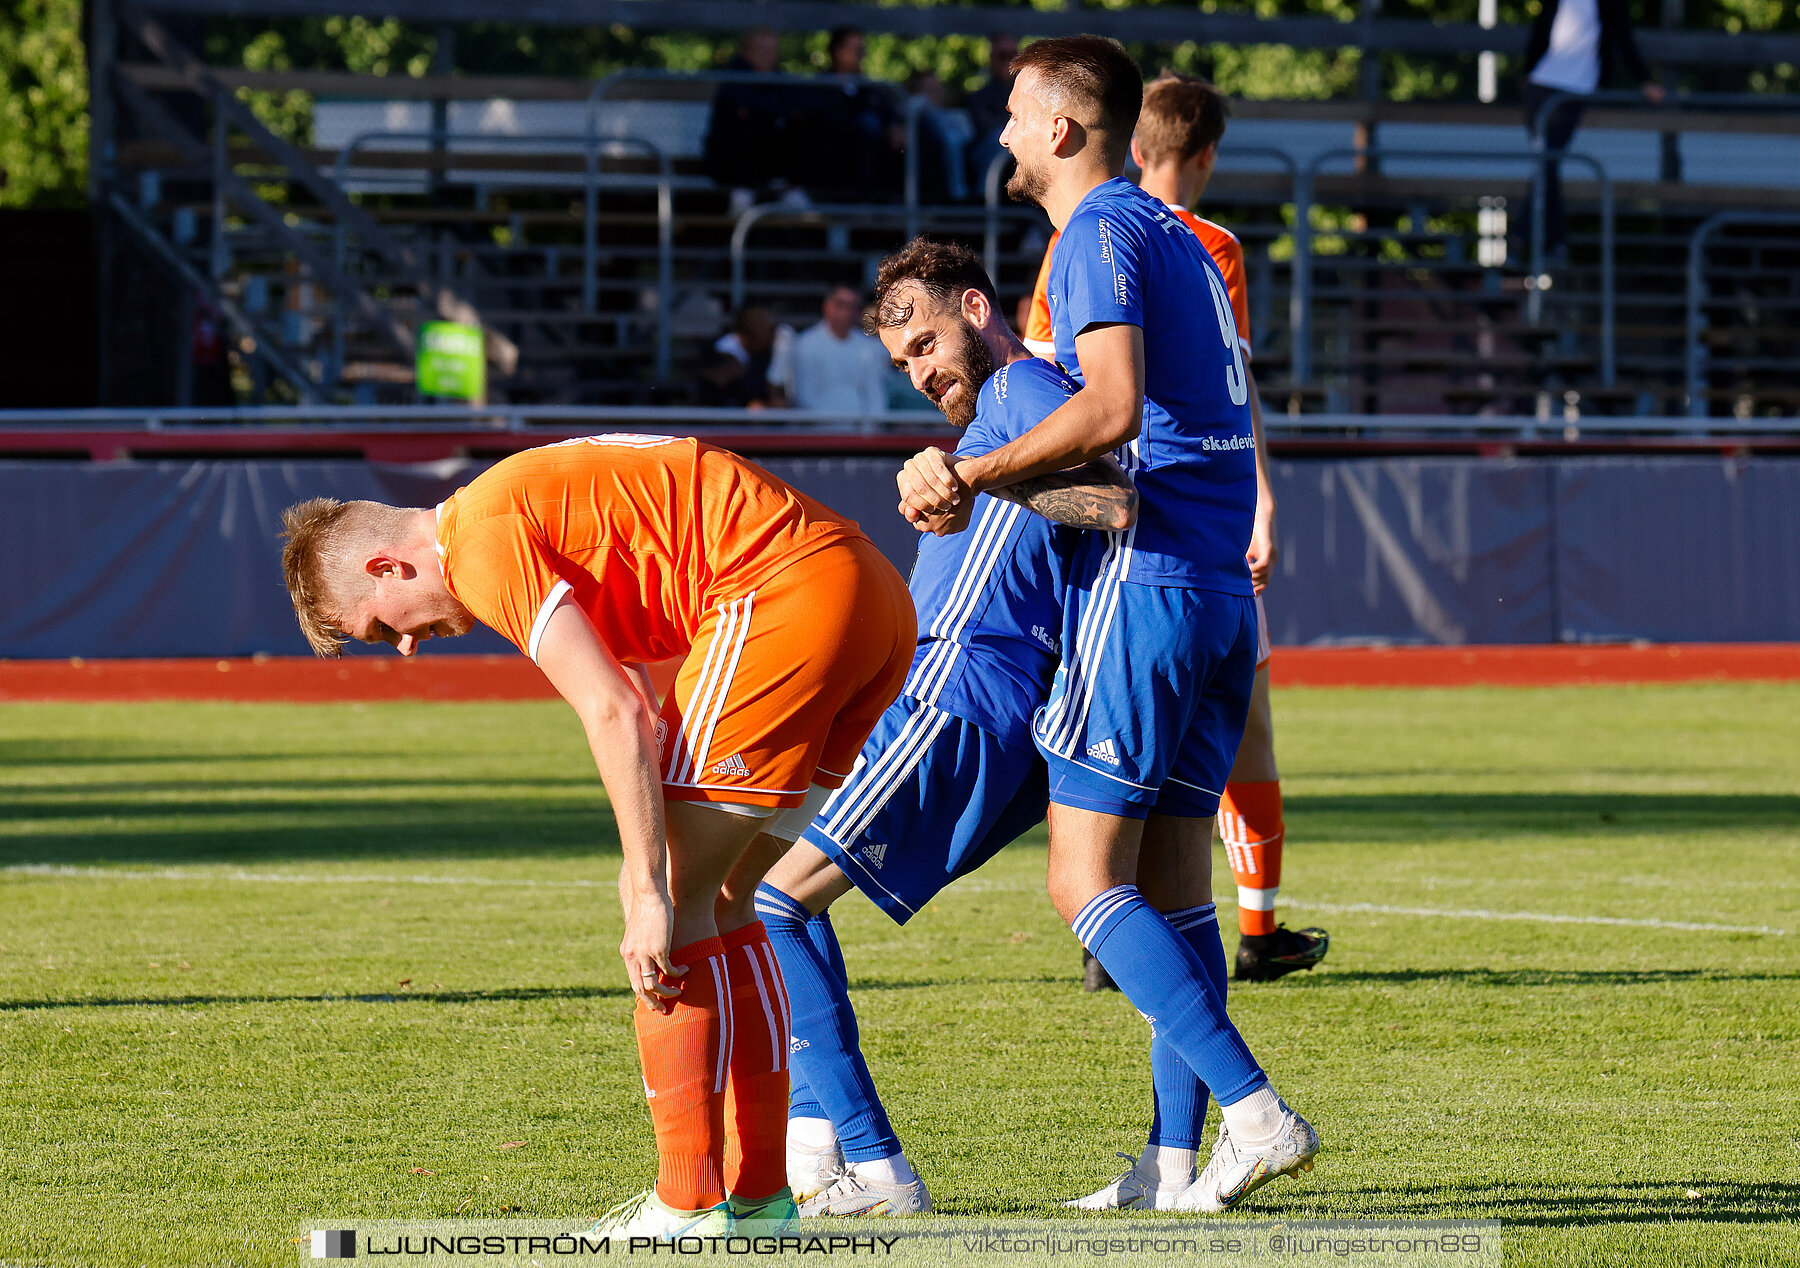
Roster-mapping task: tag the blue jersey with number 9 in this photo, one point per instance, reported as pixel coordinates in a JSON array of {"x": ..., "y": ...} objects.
[{"x": 1124, "y": 258}]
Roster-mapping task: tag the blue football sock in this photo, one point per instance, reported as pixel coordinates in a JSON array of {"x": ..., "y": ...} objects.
[
  {"x": 1167, "y": 981},
  {"x": 824, "y": 938},
  {"x": 801, "y": 1101},
  {"x": 1178, "y": 1097},
  {"x": 825, "y": 1052}
]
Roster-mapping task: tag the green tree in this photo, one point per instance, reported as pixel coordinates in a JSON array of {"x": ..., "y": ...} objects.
[{"x": 43, "y": 104}]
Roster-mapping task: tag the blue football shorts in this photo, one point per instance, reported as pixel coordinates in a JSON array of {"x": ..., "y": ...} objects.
[
  {"x": 932, "y": 797},
  {"x": 1148, "y": 707}
]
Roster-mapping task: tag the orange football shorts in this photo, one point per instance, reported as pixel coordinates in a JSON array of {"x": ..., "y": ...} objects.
[{"x": 783, "y": 684}]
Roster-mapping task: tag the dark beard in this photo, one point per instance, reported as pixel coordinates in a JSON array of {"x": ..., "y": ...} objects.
[
  {"x": 1027, "y": 187},
  {"x": 974, "y": 366}
]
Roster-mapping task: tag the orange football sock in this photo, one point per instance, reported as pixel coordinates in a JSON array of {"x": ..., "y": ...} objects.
[
  {"x": 756, "y": 1092},
  {"x": 685, "y": 1054},
  {"x": 1251, "y": 827}
]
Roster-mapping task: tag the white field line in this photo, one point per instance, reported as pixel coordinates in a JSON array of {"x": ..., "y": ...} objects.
[
  {"x": 972, "y": 885},
  {"x": 1535, "y": 917}
]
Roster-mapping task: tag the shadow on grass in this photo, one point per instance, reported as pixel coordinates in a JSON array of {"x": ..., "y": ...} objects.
[
  {"x": 239, "y": 817},
  {"x": 1551, "y": 1204},
  {"x": 515, "y": 993},
  {"x": 217, "y": 825},
  {"x": 1420, "y": 817},
  {"x": 1510, "y": 978}
]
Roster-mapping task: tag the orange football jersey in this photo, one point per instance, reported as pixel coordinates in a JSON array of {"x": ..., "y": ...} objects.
[{"x": 648, "y": 533}]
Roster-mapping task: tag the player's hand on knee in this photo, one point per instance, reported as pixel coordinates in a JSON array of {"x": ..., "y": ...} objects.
[
  {"x": 929, "y": 483},
  {"x": 649, "y": 930}
]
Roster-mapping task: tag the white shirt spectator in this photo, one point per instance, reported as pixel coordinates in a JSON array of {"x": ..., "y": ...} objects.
[
  {"x": 1572, "y": 63},
  {"x": 834, "y": 368}
]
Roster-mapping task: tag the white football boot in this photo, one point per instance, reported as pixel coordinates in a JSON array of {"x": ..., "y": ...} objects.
[
  {"x": 1234, "y": 1172},
  {"x": 647, "y": 1215},
  {"x": 1134, "y": 1191},
  {"x": 811, "y": 1169},
  {"x": 853, "y": 1194}
]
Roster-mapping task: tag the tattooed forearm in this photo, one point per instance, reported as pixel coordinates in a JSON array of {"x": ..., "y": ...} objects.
[{"x": 1098, "y": 496}]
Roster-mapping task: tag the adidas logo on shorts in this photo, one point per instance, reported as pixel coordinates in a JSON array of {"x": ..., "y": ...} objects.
[
  {"x": 1105, "y": 751},
  {"x": 875, "y": 853},
  {"x": 733, "y": 765}
]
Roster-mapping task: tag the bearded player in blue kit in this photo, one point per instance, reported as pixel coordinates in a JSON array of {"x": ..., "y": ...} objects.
[
  {"x": 1159, "y": 634},
  {"x": 950, "y": 775}
]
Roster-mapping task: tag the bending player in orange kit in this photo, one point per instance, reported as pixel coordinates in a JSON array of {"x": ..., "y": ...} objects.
[
  {"x": 623, "y": 550},
  {"x": 1176, "y": 147}
]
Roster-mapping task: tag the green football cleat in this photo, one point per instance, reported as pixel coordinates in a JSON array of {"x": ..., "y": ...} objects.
[
  {"x": 764, "y": 1217},
  {"x": 649, "y": 1216}
]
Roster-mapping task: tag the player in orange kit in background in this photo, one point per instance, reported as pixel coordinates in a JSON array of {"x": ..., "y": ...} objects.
[
  {"x": 617, "y": 551},
  {"x": 1176, "y": 147}
]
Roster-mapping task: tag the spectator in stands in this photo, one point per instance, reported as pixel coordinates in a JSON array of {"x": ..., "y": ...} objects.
[
  {"x": 758, "y": 51},
  {"x": 986, "y": 108},
  {"x": 750, "y": 140},
  {"x": 834, "y": 368},
  {"x": 861, "y": 140},
  {"x": 748, "y": 363},
  {"x": 1573, "y": 47},
  {"x": 845, "y": 46},
  {"x": 944, "y": 135}
]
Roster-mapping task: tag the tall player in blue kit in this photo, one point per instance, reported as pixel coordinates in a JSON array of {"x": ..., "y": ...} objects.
[
  {"x": 1159, "y": 633},
  {"x": 950, "y": 774}
]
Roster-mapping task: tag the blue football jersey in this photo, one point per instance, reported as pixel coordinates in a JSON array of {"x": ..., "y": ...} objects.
[
  {"x": 1124, "y": 258},
  {"x": 990, "y": 598}
]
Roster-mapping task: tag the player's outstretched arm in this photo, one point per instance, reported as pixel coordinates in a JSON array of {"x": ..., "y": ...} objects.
[
  {"x": 1106, "y": 413},
  {"x": 621, "y": 732},
  {"x": 1097, "y": 495}
]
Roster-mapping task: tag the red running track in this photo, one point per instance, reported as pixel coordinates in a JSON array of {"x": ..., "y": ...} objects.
[{"x": 451, "y": 677}]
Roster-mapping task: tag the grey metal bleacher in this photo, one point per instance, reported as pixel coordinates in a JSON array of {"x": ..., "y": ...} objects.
[{"x": 1402, "y": 316}]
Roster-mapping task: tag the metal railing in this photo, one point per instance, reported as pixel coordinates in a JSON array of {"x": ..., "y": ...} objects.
[
  {"x": 949, "y": 218},
  {"x": 593, "y": 147},
  {"x": 1300, "y": 297},
  {"x": 1673, "y": 103},
  {"x": 1697, "y": 406},
  {"x": 522, "y": 419}
]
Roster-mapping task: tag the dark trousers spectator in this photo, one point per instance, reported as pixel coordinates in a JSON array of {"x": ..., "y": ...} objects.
[{"x": 1559, "y": 129}]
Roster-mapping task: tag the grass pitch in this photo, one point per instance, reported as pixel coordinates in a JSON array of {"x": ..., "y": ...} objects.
[{"x": 265, "y": 965}]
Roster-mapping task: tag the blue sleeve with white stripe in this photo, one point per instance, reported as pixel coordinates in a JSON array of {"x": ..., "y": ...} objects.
[
  {"x": 1017, "y": 397},
  {"x": 1098, "y": 265}
]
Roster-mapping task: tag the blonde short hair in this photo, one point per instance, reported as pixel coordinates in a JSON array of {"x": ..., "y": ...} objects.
[{"x": 321, "y": 563}]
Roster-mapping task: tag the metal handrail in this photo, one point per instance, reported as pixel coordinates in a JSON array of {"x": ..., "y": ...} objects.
[
  {"x": 1696, "y": 282},
  {"x": 325, "y": 419},
  {"x": 751, "y": 216},
  {"x": 592, "y": 146},
  {"x": 1300, "y": 296},
  {"x": 990, "y": 218},
  {"x": 1676, "y": 102},
  {"x": 992, "y": 210}
]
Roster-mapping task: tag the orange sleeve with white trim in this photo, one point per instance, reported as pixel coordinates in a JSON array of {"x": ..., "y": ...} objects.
[
  {"x": 504, "y": 573},
  {"x": 1038, "y": 334}
]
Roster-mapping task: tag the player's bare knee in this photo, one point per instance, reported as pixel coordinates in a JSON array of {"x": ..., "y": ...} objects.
[{"x": 809, "y": 877}]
